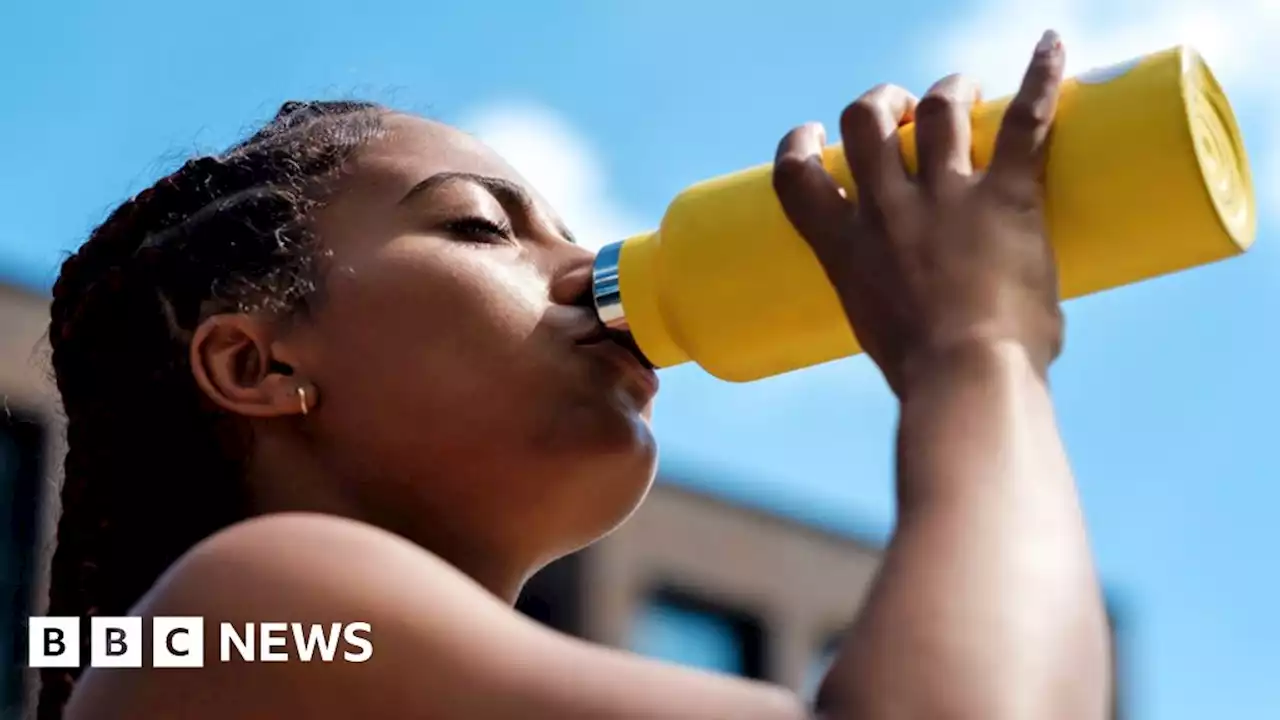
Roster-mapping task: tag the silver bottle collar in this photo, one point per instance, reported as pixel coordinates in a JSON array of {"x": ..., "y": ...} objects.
[{"x": 605, "y": 291}]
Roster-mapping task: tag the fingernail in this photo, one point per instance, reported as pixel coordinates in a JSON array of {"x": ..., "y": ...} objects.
[
  {"x": 1048, "y": 43},
  {"x": 819, "y": 130}
]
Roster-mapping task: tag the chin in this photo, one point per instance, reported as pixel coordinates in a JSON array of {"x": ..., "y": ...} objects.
[
  {"x": 609, "y": 488},
  {"x": 617, "y": 432},
  {"x": 635, "y": 475}
]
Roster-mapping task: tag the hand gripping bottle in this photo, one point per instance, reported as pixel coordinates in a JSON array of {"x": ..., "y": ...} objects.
[{"x": 1146, "y": 176}]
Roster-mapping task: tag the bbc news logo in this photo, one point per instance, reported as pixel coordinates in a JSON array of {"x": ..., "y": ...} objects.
[{"x": 179, "y": 642}]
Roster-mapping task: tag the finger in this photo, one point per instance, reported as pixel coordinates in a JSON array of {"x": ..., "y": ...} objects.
[
  {"x": 1020, "y": 154},
  {"x": 870, "y": 130},
  {"x": 809, "y": 195},
  {"x": 944, "y": 132}
]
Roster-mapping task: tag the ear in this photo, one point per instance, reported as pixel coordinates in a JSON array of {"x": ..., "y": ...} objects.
[{"x": 242, "y": 367}]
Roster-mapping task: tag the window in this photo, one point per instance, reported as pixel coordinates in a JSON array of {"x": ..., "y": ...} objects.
[
  {"x": 21, "y": 477},
  {"x": 682, "y": 629}
]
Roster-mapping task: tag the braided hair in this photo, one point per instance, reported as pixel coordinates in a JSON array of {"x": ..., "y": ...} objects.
[{"x": 224, "y": 233}]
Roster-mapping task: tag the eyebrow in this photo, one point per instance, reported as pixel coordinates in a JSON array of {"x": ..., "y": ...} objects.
[{"x": 505, "y": 191}]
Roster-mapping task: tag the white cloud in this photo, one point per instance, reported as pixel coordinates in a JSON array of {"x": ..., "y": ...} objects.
[
  {"x": 1236, "y": 37},
  {"x": 561, "y": 165}
]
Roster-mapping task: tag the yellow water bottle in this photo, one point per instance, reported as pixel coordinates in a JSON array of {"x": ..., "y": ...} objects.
[{"x": 1147, "y": 175}]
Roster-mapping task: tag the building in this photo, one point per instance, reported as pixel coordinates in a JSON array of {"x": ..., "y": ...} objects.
[
  {"x": 689, "y": 579},
  {"x": 693, "y": 580}
]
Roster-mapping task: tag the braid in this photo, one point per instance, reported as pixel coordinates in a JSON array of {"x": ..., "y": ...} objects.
[{"x": 222, "y": 233}]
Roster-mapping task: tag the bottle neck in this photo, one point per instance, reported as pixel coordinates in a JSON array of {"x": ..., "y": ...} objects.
[
  {"x": 606, "y": 290},
  {"x": 625, "y": 292}
]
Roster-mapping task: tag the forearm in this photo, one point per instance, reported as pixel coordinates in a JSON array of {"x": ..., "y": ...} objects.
[{"x": 987, "y": 605}]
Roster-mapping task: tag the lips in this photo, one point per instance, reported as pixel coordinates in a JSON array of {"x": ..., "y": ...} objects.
[{"x": 620, "y": 350}]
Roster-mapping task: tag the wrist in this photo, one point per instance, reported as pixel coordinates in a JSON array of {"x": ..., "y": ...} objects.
[{"x": 978, "y": 359}]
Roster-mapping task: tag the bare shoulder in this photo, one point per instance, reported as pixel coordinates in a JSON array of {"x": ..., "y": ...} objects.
[
  {"x": 304, "y": 570},
  {"x": 288, "y": 559},
  {"x": 439, "y": 644}
]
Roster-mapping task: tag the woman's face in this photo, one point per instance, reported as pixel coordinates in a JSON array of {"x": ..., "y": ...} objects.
[{"x": 463, "y": 392}]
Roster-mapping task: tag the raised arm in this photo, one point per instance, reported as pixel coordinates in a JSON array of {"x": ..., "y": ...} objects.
[{"x": 987, "y": 606}]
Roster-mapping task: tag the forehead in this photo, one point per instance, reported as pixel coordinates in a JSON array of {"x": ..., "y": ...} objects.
[{"x": 412, "y": 149}]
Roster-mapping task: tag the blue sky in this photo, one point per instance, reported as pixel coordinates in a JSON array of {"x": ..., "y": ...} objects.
[{"x": 1168, "y": 391}]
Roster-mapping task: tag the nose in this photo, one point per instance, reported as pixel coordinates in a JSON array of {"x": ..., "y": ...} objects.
[{"x": 571, "y": 281}]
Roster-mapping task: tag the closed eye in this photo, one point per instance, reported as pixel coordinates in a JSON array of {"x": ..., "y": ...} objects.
[{"x": 478, "y": 229}]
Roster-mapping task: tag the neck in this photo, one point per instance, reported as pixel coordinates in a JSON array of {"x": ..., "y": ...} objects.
[
  {"x": 504, "y": 580},
  {"x": 284, "y": 479}
]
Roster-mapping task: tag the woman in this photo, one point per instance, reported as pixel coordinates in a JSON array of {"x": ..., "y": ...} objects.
[{"x": 347, "y": 371}]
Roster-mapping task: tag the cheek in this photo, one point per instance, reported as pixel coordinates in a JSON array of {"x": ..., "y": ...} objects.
[
  {"x": 419, "y": 297},
  {"x": 426, "y": 331}
]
